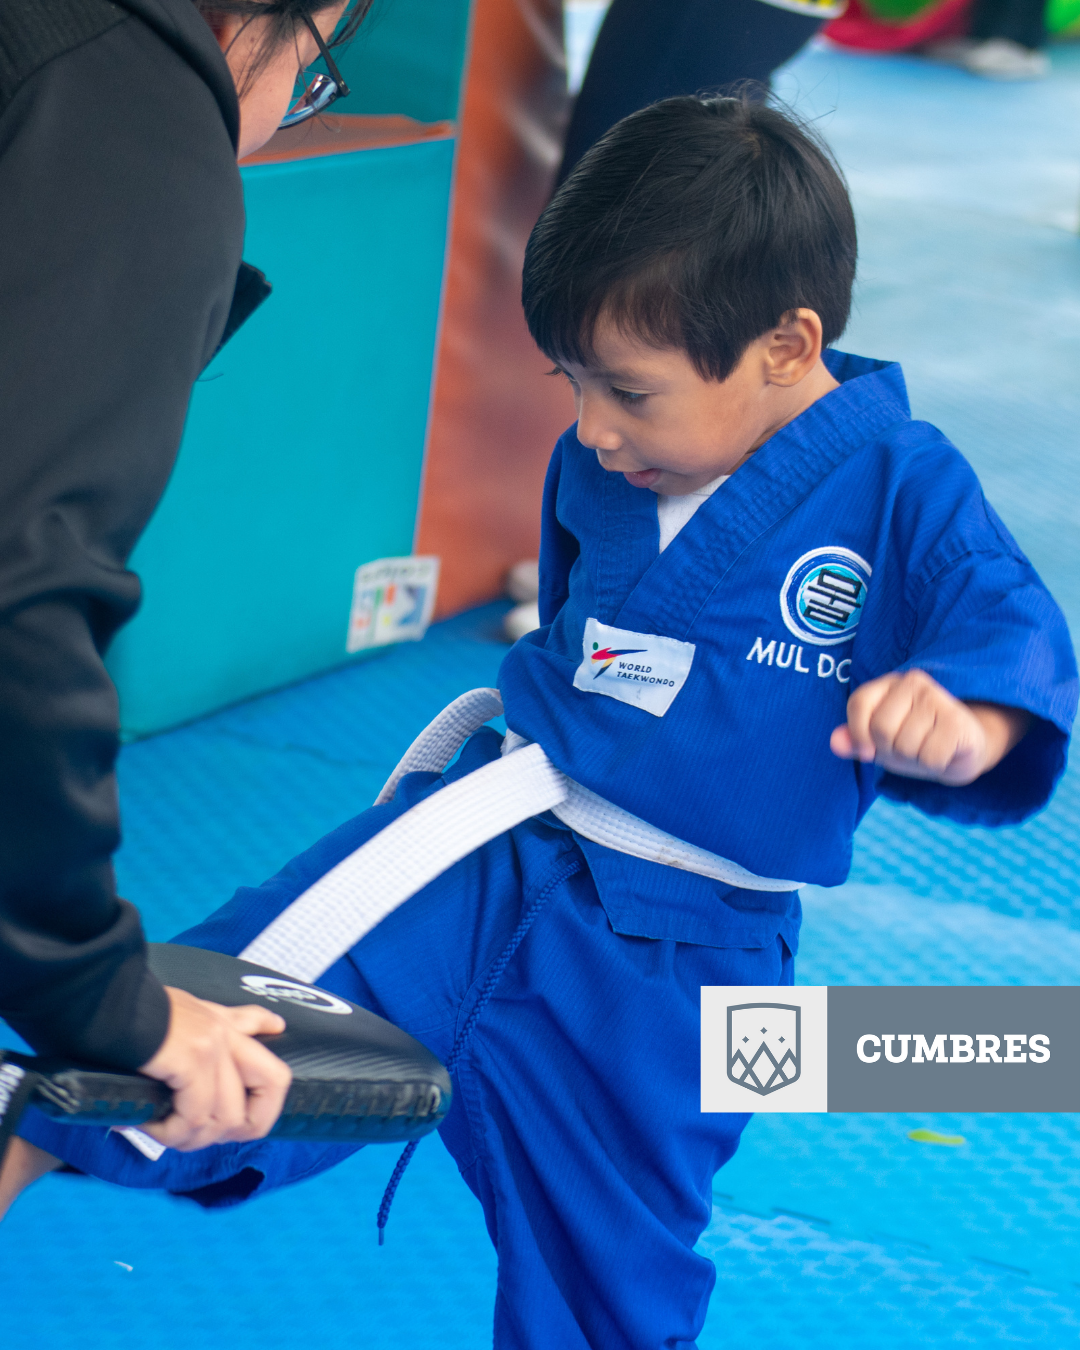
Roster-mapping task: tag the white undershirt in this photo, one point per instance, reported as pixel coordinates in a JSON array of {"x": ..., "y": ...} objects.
[{"x": 674, "y": 512}]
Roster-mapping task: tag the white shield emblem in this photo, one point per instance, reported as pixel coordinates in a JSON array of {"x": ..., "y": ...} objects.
[{"x": 763, "y": 1045}]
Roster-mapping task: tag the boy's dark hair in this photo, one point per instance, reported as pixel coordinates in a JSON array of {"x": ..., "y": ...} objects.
[{"x": 697, "y": 223}]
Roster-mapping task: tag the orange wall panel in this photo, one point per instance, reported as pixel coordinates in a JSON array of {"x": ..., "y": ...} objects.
[{"x": 496, "y": 414}]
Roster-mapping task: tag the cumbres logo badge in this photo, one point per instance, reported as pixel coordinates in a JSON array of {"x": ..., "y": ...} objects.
[
  {"x": 763, "y": 1051},
  {"x": 822, "y": 598}
]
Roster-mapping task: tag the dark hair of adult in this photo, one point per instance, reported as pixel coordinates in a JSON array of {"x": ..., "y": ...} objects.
[
  {"x": 696, "y": 223},
  {"x": 286, "y": 18}
]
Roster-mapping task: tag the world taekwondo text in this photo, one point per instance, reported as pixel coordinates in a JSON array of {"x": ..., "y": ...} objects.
[{"x": 890, "y": 1048}]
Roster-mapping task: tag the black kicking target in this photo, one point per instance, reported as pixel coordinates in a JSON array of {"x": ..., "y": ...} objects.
[{"x": 356, "y": 1078}]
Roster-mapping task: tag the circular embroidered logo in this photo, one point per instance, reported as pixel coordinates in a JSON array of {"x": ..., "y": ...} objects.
[{"x": 822, "y": 598}]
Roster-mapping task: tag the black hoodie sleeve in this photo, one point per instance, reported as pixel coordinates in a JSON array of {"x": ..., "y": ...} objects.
[{"x": 120, "y": 240}]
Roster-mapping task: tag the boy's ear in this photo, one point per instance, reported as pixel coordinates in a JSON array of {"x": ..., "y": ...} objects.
[{"x": 793, "y": 347}]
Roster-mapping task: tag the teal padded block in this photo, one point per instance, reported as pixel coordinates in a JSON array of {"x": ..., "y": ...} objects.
[
  {"x": 408, "y": 57},
  {"x": 304, "y": 444}
]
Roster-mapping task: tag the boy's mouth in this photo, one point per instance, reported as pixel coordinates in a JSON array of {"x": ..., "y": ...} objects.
[{"x": 643, "y": 479}]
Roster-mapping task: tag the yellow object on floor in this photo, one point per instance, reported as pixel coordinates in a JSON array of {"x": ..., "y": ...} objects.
[{"x": 932, "y": 1137}]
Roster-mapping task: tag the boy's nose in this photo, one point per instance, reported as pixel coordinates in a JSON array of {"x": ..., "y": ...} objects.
[{"x": 593, "y": 430}]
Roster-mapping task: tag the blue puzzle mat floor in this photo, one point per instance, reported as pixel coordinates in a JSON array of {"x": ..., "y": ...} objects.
[{"x": 828, "y": 1231}]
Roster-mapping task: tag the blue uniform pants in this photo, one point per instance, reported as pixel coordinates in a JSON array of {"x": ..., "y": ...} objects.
[{"x": 576, "y": 1117}]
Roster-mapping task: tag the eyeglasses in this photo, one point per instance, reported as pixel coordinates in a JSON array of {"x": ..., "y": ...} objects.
[{"x": 321, "y": 92}]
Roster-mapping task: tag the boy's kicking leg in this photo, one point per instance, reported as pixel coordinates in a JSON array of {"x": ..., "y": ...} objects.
[
  {"x": 575, "y": 1117},
  {"x": 582, "y": 1135}
]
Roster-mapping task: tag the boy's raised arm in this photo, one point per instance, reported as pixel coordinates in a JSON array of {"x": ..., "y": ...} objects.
[{"x": 910, "y": 725}]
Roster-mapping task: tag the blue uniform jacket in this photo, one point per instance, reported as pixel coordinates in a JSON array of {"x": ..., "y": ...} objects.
[{"x": 853, "y": 543}]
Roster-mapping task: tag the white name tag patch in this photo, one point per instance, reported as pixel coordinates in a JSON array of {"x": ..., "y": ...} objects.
[{"x": 641, "y": 669}]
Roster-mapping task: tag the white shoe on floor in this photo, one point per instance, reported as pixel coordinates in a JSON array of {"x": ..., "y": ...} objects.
[
  {"x": 522, "y": 585},
  {"x": 522, "y": 619},
  {"x": 523, "y": 581},
  {"x": 1003, "y": 59}
]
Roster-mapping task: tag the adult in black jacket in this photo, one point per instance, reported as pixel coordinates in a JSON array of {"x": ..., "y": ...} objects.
[{"x": 120, "y": 274}]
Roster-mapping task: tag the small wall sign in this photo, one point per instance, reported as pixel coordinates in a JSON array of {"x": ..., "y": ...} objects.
[{"x": 393, "y": 600}]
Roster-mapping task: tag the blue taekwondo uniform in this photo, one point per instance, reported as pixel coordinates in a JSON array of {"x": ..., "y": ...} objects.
[{"x": 696, "y": 688}]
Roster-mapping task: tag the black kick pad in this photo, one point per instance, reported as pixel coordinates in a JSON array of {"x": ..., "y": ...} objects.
[{"x": 356, "y": 1078}]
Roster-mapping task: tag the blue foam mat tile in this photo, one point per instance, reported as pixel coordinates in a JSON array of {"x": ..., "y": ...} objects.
[
  {"x": 1031, "y": 870},
  {"x": 299, "y": 1265},
  {"x": 1007, "y": 1196},
  {"x": 907, "y": 131},
  {"x": 875, "y": 934},
  {"x": 790, "y": 1285}
]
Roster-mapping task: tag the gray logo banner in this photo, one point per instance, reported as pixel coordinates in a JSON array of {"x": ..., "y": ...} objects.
[{"x": 947, "y": 1048}]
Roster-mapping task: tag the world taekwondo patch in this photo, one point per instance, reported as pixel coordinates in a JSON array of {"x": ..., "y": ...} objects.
[
  {"x": 822, "y": 598},
  {"x": 641, "y": 669}
]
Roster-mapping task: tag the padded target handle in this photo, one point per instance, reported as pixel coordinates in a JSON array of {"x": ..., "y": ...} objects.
[{"x": 356, "y": 1077}]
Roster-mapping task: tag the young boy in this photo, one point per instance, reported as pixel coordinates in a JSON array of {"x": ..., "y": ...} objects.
[{"x": 742, "y": 539}]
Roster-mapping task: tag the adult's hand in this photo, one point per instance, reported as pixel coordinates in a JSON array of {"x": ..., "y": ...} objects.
[{"x": 226, "y": 1086}]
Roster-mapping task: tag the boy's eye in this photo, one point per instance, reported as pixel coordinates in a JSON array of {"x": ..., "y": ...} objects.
[{"x": 626, "y": 396}]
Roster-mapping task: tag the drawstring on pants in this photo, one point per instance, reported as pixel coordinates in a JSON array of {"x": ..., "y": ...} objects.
[{"x": 494, "y": 976}]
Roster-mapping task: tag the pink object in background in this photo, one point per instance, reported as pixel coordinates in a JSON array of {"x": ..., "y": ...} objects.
[{"x": 858, "y": 27}]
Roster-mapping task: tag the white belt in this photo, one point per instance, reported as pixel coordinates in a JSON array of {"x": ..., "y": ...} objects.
[{"x": 331, "y": 916}]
